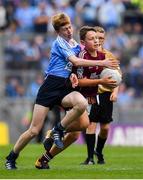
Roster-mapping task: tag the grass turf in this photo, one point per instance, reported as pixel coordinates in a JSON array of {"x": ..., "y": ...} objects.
[{"x": 121, "y": 163}]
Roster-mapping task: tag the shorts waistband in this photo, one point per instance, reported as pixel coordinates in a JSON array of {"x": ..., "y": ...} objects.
[{"x": 56, "y": 77}]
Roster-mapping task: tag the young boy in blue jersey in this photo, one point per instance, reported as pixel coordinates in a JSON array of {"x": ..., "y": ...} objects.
[
  {"x": 88, "y": 87},
  {"x": 55, "y": 89}
]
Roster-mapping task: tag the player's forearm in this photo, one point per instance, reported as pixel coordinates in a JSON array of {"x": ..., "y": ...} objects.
[
  {"x": 88, "y": 82},
  {"x": 115, "y": 90},
  {"x": 82, "y": 62}
]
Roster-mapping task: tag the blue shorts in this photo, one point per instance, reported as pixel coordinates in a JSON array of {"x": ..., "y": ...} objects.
[{"x": 53, "y": 90}]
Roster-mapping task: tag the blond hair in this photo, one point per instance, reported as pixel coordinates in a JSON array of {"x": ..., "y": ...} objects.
[
  {"x": 60, "y": 20},
  {"x": 99, "y": 29}
]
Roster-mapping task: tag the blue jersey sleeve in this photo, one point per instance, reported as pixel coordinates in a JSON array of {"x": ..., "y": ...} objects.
[
  {"x": 59, "y": 63},
  {"x": 64, "y": 48}
]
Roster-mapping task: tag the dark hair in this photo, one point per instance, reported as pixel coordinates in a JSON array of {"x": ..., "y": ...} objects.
[{"x": 83, "y": 31}]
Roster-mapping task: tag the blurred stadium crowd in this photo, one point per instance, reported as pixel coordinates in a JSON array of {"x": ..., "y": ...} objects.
[{"x": 27, "y": 35}]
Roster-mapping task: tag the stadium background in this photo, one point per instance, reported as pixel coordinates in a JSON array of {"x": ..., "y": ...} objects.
[{"x": 25, "y": 40}]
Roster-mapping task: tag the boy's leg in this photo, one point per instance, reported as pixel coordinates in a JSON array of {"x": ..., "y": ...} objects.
[
  {"x": 69, "y": 138},
  {"x": 39, "y": 115},
  {"x": 42, "y": 162},
  {"x": 90, "y": 142},
  {"x": 78, "y": 105},
  {"x": 78, "y": 125},
  {"x": 101, "y": 140}
]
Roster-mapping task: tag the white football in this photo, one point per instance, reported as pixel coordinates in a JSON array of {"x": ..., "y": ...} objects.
[{"x": 114, "y": 73}]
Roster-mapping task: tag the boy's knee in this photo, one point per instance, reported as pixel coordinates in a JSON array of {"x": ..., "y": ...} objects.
[
  {"x": 82, "y": 105},
  {"x": 33, "y": 132},
  {"x": 85, "y": 124}
]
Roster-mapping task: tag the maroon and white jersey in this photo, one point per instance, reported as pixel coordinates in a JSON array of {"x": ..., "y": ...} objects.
[{"x": 89, "y": 72}]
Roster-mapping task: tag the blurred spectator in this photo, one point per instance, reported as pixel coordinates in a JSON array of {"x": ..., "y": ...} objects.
[
  {"x": 15, "y": 52},
  {"x": 45, "y": 59},
  {"x": 33, "y": 88},
  {"x": 53, "y": 8},
  {"x": 68, "y": 9},
  {"x": 3, "y": 17},
  {"x": 137, "y": 28},
  {"x": 12, "y": 29},
  {"x": 88, "y": 10},
  {"x": 134, "y": 76},
  {"x": 110, "y": 14},
  {"x": 41, "y": 17},
  {"x": 14, "y": 88},
  {"x": 24, "y": 15},
  {"x": 125, "y": 95},
  {"x": 10, "y": 9},
  {"x": 119, "y": 39},
  {"x": 32, "y": 55}
]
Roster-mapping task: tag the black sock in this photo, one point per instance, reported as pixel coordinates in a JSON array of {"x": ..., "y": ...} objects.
[
  {"x": 46, "y": 157},
  {"x": 12, "y": 156},
  {"x": 90, "y": 141},
  {"x": 100, "y": 144}
]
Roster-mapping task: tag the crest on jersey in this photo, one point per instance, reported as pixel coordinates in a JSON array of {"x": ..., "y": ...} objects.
[
  {"x": 94, "y": 76},
  {"x": 69, "y": 66},
  {"x": 80, "y": 72}
]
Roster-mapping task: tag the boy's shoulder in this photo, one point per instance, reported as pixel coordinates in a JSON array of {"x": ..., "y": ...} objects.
[
  {"x": 109, "y": 54},
  {"x": 83, "y": 53}
]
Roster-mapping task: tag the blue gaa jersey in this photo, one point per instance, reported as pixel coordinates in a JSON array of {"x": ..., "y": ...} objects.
[{"x": 59, "y": 64}]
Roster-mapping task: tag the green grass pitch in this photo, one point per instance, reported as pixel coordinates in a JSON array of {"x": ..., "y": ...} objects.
[{"x": 121, "y": 163}]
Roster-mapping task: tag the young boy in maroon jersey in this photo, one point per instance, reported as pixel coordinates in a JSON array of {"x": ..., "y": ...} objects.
[
  {"x": 87, "y": 86},
  {"x": 101, "y": 111}
]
